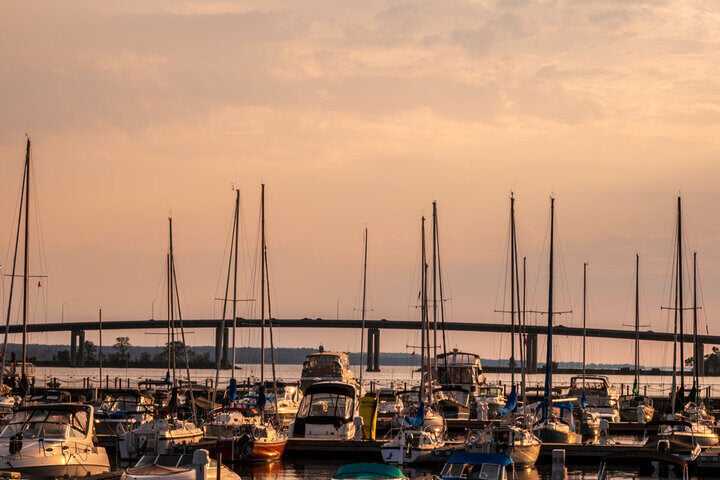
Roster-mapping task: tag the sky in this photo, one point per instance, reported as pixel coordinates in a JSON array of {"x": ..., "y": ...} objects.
[{"x": 354, "y": 115}]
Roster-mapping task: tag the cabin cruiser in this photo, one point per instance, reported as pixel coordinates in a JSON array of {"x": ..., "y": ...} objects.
[
  {"x": 412, "y": 446},
  {"x": 159, "y": 436},
  {"x": 684, "y": 435},
  {"x": 389, "y": 403},
  {"x": 453, "y": 401},
  {"x": 491, "y": 397},
  {"x": 556, "y": 424},
  {"x": 289, "y": 397},
  {"x": 54, "y": 440},
  {"x": 460, "y": 369},
  {"x": 505, "y": 438},
  {"x": 326, "y": 367},
  {"x": 52, "y": 396},
  {"x": 475, "y": 466},
  {"x": 127, "y": 407},
  {"x": 600, "y": 396},
  {"x": 630, "y": 405},
  {"x": 326, "y": 411},
  {"x": 644, "y": 464},
  {"x": 187, "y": 466}
]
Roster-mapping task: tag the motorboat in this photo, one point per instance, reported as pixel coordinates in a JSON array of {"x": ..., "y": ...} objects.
[
  {"x": 475, "y": 466},
  {"x": 54, "y": 440},
  {"x": 630, "y": 405},
  {"x": 453, "y": 401},
  {"x": 461, "y": 369},
  {"x": 326, "y": 367},
  {"x": 491, "y": 398},
  {"x": 644, "y": 463},
  {"x": 390, "y": 403},
  {"x": 253, "y": 438},
  {"x": 326, "y": 411},
  {"x": 126, "y": 407},
  {"x": 223, "y": 421},
  {"x": 684, "y": 436},
  {"x": 600, "y": 397},
  {"x": 286, "y": 407},
  {"x": 365, "y": 471},
  {"x": 52, "y": 396},
  {"x": 515, "y": 441},
  {"x": 412, "y": 446},
  {"x": 158, "y": 436},
  {"x": 187, "y": 466}
]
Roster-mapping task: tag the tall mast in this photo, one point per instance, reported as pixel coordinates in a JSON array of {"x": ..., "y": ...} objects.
[
  {"x": 549, "y": 358},
  {"x": 362, "y": 313},
  {"x": 270, "y": 330},
  {"x": 436, "y": 239},
  {"x": 171, "y": 263},
  {"x": 584, "y": 319},
  {"x": 423, "y": 306},
  {"x": 680, "y": 297},
  {"x": 513, "y": 266},
  {"x": 434, "y": 282},
  {"x": 697, "y": 358},
  {"x": 169, "y": 313},
  {"x": 262, "y": 283},
  {"x": 637, "y": 321},
  {"x": 524, "y": 338},
  {"x": 100, "y": 355},
  {"x": 25, "y": 256},
  {"x": 235, "y": 268}
]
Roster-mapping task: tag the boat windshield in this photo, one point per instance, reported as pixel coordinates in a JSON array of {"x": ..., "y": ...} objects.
[
  {"x": 323, "y": 404},
  {"x": 121, "y": 404},
  {"x": 168, "y": 460},
  {"x": 47, "y": 423},
  {"x": 489, "y": 392}
]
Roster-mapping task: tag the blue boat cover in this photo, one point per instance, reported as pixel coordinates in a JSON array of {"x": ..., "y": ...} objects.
[
  {"x": 232, "y": 390},
  {"x": 476, "y": 458},
  {"x": 419, "y": 419},
  {"x": 583, "y": 400},
  {"x": 369, "y": 471},
  {"x": 511, "y": 403},
  {"x": 262, "y": 399}
]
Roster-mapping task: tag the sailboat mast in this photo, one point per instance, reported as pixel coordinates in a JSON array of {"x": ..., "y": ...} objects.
[
  {"x": 262, "y": 283},
  {"x": 423, "y": 306},
  {"x": 169, "y": 327},
  {"x": 524, "y": 339},
  {"x": 25, "y": 257},
  {"x": 434, "y": 281},
  {"x": 436, "y": 239},
  {"x": 513, "y": 262},
  {"x": 584, "y": 320},
  {"x": 549, "y": 357},
  {"x": 100, "y": 354},
  {"x": 235, "y": 268},
  {"x": 637, "y": 320},
  {"x": 362, "y": 312},
  {"x": 697, "y": 358},
  {"x": 171, "y": 277},
  {"x": 680, "y": 297}
]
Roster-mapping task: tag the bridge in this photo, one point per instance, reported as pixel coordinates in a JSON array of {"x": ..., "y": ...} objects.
[{"x": 77, "y": 333}]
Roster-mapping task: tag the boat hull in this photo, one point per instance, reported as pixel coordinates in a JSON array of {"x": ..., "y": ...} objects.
[
  {"x": 240, "y": 449},
  {"x": 547, "y": 434},
  {"x": 397, "y": 455},
  {"x": 79, "y": 465}
]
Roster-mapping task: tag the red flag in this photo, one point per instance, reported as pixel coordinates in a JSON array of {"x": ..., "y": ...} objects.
[{"x": 39, "y": 285}]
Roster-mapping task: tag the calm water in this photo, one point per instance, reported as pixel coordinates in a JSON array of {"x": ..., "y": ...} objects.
[{"x": 390, "y": 375}]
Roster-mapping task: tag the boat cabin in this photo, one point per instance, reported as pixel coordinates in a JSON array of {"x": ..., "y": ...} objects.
[
  {"x": 326, "y": 366},
  {"x": 326, "y": 411},
  {"x": 459, "y": 368}
]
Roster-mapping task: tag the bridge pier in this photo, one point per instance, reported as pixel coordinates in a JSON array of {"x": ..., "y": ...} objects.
[
  {"x": 373, "y": 350},
  {"x": 531, "y": 351},
  {"x": 225, "y": 343},
  {"x": 700, "y": 358},
  {"x": 218, "y": 345},
  {"x": 73, "y": 348},
  {"x": 81, "y": 349}
]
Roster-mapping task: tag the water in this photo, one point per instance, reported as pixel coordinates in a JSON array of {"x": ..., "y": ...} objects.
[{"x": 398, "y": 376}]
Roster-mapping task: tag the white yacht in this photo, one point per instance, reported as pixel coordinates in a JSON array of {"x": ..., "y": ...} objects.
[
  {"x": 602, "y": 398},
  {"x": 326, "y": 367},
  {"x": 158, "y": 436},
  {"x": 54, "y": 440},
  {"x": 189, "y": 466},
  {"x": 326, "y": 411}
]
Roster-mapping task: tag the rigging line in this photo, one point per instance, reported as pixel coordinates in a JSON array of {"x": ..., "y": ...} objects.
[
  {"x": 221, "y": 355},
  {"x": 539, "y": 269},
  {"x": 442, "y": 297},
  {"x": 173, "y": 277},
  {"x": 12, "y": 278},
  {"x": 270, "y": 331}
]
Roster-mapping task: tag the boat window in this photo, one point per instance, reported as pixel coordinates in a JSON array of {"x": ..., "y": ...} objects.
[
  {"x": 488, "y": 471},
  {"x": 47, "y": 423},
  {"x": 146, "y": 460},
  {"x": 167, "y": 460},
  {"x": 325, "y": 405},
  {"x": 452, "y": 470}
]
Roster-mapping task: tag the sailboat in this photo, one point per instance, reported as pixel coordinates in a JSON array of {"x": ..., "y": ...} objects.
[
  {"x": 636, "y": 407},
  {"x": 255, "y": 437},
  {"x": 162, "y": 433},
  {"x": 691, "y": 429},
  {"x": 556, "y": 423},
  {"x": 421, "y": 434},
  {"x": 511, "y": 436},
  {"x": 20, "y": 377}
]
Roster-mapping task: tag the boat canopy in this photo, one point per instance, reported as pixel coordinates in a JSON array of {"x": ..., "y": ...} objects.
[
  {"x": 369, "y": 471},
  {"x": 477, "y": 458}
]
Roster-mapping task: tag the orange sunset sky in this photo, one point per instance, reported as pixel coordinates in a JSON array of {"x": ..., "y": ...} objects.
[{"x": 354, "y": 114}]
